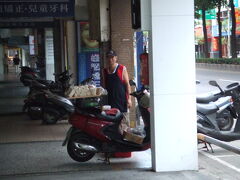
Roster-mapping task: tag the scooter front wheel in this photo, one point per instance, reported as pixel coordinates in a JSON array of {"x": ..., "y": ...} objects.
[
  {"x": 77, "y": 153},
  {"x": 34, "y": 112}
]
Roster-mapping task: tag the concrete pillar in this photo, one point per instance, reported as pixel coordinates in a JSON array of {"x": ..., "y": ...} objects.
[
  {"x": 172, "y": 84},
  {"x": 58, "y": 38},
  {"x": 71, "y": 49}
]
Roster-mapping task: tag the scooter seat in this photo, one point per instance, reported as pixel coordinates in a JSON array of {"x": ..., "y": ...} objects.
[
  {"x": 110, "y": 118},
  {"x": 45, "y": 82},
  {"x": 96, "y": 112},
  {"x": 206, "y": 98},
  {"x": 37, "y": 85},
  {"x": 207, "y": 108}
]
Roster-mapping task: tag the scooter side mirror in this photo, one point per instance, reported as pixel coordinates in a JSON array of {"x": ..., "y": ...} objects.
[
  {"x": 197, "y": 82},
  {"x": 132, "y": 83},
  {"x": 213, "y": 83}
]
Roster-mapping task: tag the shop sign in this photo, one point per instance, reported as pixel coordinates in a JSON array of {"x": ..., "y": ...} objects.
[
  {"x": 89, "y": 65},
  {"x": 210, "y": 14},
  {"x": 215, "y": 32},
  {"x": 215, "y": 44},
  {"x": 31, "y": 45},
  {"x": 235, "y": 2},
  {"x": 36, "y": 8},
  {"x": 237, "y": 15},
  {"x": 198, "y": 32},
  {"x": 209, "y": 28},
  {"x": 95, "y": 67}
]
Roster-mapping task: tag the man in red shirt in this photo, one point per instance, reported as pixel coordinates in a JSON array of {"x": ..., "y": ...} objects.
[{"x": 117, "y": 84}]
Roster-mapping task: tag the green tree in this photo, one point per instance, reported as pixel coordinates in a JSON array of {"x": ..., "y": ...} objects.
[
  {"x": 233, "y": 30},
  {"x": 218, "y": 5},
  {"x": 204, "y": 5}
]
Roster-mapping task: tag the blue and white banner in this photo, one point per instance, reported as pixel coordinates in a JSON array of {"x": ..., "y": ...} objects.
[
  {"x": 89, "y": 65},
  {"x": 37, "y": 8}
]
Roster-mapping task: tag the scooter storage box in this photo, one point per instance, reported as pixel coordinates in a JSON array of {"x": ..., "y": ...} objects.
[{"x": 87, "y": 102}]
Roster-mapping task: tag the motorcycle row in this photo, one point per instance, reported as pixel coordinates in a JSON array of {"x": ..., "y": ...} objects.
[
  {"x": 93, "y": 131},
  {"x": 46, "y": 99}
]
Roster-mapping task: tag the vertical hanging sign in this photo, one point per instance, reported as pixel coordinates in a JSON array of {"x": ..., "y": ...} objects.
[
  {"x": 95, "y": 67},
  {"x": 31, "y": 45}
]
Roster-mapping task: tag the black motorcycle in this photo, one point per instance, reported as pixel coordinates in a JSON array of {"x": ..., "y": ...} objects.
[
  {"x": 27, "y": 74},
  {"x": 47, "y": 106},
  {"x": 60, "y": 86}
]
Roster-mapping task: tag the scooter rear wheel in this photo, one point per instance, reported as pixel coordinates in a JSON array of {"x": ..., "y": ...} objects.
[
  {"x": 74, "y": 152},
  {"x": 50, "y": 116}
]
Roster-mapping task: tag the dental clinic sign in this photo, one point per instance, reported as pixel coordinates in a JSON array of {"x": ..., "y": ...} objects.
[{"x": 36, "y": 8}]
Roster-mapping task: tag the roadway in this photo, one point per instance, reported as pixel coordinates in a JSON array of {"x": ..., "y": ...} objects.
[{"x": 223, "y": 78}]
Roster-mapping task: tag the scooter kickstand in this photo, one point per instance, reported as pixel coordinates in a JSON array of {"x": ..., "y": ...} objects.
[
  {"x": 211, "y": 147},
  {"x": 107, "y": 158},
  {"x": 206, "y": 144}
]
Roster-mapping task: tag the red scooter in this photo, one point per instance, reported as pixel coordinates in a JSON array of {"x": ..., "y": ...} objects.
[{"x": 92, "y": 132}]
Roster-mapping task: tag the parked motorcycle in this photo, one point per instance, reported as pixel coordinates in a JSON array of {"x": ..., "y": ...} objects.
[
  {"x": 218, "y": 118},
  {"x": 94, "y": 132},
  {"x": 47, "y": 106},
  {"x": 27, "y": 74},
  {"x": 60, "y": 86},
  {"x": 231, "y": 90},
  {"x": 225, "y": 119}
]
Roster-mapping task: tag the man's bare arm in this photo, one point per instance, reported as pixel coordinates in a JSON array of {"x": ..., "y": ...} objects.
[{"x": 126, "y": 80}]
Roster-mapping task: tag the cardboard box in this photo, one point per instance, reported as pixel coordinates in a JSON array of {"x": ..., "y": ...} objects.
[{"x": 132, "y": 137}]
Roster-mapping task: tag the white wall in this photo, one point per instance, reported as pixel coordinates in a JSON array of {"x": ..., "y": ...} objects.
[{"x": 172, "y": 72}]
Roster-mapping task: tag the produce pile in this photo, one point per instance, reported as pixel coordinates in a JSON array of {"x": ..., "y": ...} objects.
[{"x": 85, "y": 91}]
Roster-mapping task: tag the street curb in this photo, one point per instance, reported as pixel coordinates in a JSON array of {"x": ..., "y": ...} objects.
[{"x": 224, "y": 67}]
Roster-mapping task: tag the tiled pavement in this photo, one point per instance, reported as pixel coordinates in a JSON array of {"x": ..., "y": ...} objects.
[{"x": 20, "y": 128}]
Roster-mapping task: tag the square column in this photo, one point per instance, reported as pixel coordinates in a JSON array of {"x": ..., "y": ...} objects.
[{"x": 172, "y": 84}]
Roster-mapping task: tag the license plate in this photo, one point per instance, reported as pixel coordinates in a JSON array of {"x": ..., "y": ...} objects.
[{"x": 67, "y": 136}]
